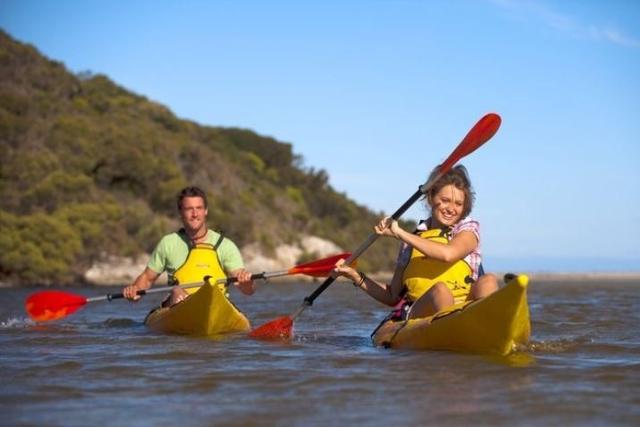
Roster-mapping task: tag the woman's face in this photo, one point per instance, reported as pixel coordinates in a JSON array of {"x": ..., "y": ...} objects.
[{"x": 447, "y": 205}]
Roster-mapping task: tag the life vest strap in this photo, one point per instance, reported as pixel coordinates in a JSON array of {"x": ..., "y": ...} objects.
[{"x": 219, "y": 242}]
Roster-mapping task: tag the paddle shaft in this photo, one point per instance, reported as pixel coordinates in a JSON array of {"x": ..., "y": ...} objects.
[
  {"x": 228, "y": 281},
  {"x": 364, "y": 246}
]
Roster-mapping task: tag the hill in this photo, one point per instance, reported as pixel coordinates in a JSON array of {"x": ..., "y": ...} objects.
[{"x": 90, "y": 171}]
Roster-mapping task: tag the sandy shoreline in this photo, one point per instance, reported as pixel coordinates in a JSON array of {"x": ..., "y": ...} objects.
[
  {"x": 584, "y": 276},
  {"x": 542, "y": 276}
]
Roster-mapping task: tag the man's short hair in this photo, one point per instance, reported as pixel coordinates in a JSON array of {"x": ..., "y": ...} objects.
[{"x": 191, "y": 191}]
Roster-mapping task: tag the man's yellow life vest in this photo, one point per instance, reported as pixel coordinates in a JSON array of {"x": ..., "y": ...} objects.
[
  {"x": 423, "y": 272},
  {"x": 202, "y": 261}
]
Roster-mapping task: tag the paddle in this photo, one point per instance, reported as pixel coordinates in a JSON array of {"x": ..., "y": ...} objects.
[
  {"x": 45, "y": 306},
  {"x": 480, "y": 133}
]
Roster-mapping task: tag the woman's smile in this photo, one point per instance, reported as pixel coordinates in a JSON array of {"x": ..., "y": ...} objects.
[{"x": 448, "y": 204}]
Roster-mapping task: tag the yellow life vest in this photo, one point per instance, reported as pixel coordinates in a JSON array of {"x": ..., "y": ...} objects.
[
  {"x": 202, "y": 261},
  {"x": 423, "y": 272}
]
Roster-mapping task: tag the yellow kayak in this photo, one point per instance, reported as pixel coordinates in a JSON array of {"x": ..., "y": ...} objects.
[
  {"x": 493, "y": 325},
  {"x": 206, "y": 312}
]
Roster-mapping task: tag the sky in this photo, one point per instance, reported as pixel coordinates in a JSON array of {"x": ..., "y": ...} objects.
[{"x": 377, "y": 93}]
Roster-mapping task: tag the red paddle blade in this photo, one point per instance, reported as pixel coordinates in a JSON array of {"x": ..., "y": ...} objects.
[
  {"x": 319, "y": 268},
  {"x": 278, "y": 329},
  {"x": 480, "y": 133},
  {"x": 52, "y": 305}
]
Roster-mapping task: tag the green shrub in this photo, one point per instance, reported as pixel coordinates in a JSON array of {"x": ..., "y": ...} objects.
[{"x": 38, "y": 249}]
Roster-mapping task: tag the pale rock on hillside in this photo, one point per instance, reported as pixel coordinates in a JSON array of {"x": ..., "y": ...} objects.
[{"x": 120, "y": 271}]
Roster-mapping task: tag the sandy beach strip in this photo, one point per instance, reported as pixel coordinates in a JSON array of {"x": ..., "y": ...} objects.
[{"x": 584, "y": 276}]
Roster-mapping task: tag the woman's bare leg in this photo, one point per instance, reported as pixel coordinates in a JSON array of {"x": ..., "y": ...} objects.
[
  {"x": 435, "y": 299},
  {"x": 484, "y": 286}
]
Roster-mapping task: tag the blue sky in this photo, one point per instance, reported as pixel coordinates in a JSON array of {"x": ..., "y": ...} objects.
[{"x": 379, "y": 92}]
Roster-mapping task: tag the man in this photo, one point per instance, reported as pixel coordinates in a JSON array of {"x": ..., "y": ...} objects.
[{"x": 172, "y": 254}]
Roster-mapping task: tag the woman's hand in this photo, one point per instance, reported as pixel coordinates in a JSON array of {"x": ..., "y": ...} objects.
[
  {"x": 347, "y": 271},
  {"x": 387, "y": 227}
]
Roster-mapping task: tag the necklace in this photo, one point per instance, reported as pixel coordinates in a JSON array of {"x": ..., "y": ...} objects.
[{"x": 196, "y": 238}]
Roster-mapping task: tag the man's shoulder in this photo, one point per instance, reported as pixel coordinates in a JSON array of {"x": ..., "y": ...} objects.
[
  {"x": 213, "y": 236},
  {"x": 217, "y": 237},
  {"x": 172, "y": 239},
  {"x": 175, "y": 235}
]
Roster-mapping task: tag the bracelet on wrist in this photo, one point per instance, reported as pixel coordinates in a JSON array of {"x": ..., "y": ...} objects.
[{"x": 360, "y": 282}]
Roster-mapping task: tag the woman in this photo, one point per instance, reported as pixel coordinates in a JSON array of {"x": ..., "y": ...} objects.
[{"x": 440, "y": 263}]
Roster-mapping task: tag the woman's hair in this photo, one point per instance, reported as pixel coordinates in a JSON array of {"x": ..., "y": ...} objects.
[
  {"x": 191, "y": 192},
  {"x": 459, "y": 178}
]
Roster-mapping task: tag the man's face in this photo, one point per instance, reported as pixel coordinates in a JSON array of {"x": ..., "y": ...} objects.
[{"x": 193, "y": 213}]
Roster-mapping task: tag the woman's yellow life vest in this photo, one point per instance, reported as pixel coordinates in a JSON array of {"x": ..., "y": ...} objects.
[
  {"x": 201, "y": 261},
  {"x": 423, "y": 272}
]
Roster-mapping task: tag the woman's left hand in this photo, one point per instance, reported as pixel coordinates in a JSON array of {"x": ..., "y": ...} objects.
[
  {"x": 387, "y": 227},
  {"x": 346, "y": 270}
]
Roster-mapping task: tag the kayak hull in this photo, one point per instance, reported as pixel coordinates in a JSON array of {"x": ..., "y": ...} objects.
[
  {"x": 496, "y": 324},
  {"x": 206, "y": 312}
]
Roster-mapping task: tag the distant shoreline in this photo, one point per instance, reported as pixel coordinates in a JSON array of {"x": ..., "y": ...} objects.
[
  {"x": 583, "y": 276},
  {"x": 557, "y": 276}
]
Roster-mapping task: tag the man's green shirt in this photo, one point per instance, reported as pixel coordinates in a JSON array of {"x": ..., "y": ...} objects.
[{"x": 173, "y": 249}]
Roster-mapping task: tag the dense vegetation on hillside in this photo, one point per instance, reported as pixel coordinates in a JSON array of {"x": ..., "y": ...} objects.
[{"x": 89, "y": 169}]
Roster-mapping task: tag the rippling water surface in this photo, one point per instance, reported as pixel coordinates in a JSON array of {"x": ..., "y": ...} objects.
[{"x": 101, "y": 366}]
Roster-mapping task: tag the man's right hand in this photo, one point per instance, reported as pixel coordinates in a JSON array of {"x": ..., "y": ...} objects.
[
  {"x": 131, "y": 293},
  {"x": 142, "y": 282}
]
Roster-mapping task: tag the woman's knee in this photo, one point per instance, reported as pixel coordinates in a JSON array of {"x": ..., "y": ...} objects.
[
  {"x": 437, "y": 298},
  {"x": 440, "y": 290},
  {"x": 485, "y": 285},
  {"x": 441, "y": 296}
]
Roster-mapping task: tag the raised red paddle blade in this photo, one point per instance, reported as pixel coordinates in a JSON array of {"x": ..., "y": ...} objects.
[
  {"x": 319, "y": 268},
  {"x": 480, "y": 133},
  {"x": 278, "y": 329},
  {"x": 52, "y": 305}
]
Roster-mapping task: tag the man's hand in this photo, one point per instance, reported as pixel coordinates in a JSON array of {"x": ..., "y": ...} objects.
[
  {"x": 244, "y": 281},
  {"x": 142, "y": 282}
]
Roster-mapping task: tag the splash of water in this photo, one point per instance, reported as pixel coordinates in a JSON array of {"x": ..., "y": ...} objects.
[{"x": 16, "y": 322}]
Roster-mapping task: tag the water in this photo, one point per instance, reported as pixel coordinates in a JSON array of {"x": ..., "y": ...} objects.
[{"x": 101, "y": 366}]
